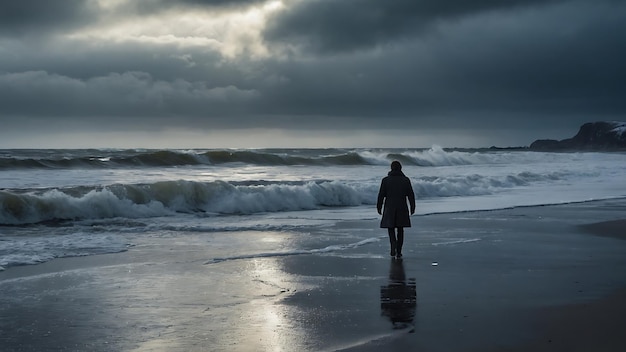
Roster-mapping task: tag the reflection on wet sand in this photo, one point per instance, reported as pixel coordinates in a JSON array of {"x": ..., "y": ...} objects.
[{"x": 398, "y": 299}]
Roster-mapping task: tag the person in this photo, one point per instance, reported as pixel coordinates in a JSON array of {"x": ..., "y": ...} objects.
[{"x": 394, "y": 191}]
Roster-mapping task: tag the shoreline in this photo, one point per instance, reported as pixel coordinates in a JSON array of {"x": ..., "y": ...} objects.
[
  {"x": 514, "y": 279},
  {"x": 596, "y": 229},
  {"x": 513, "y": 207}
]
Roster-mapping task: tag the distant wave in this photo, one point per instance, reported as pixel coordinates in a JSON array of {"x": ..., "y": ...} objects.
[
  {"x": 167, "y": 198},
  {"x": 97, "y": 159},
  {"x": 477, "y": 185},
  {"x": 91, "y": 158},
  {"x": 437, "y": 156}
]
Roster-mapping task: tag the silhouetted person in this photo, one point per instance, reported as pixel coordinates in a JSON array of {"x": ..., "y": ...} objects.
[
  {"x": 398, "y": 300},
  {"x": 394, "y": 191}
]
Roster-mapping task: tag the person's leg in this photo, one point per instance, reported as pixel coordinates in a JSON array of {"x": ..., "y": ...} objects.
[
  {"x": 399, "y": 241},
  {"x": 392, "y": 240}
]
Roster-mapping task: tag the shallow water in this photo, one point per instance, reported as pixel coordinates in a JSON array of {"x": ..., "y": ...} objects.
[{"x": 60, "y": 203}]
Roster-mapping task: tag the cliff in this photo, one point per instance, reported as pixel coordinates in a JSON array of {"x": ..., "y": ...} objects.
[{"x": 600, "y": 136}]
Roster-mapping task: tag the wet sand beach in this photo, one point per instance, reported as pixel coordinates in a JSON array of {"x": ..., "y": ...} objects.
[{"x": 548, "y": 278}]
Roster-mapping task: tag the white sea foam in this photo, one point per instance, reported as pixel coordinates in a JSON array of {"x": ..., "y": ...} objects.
[
  {"x": 327, "y": 249},
  {"x": 39, "y": 249},
  {"x": 619, "y": 128},
  {"x": 459, "y": 241}
]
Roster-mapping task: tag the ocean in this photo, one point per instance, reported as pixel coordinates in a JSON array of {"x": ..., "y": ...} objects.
[{"x": 66, "y": 203}]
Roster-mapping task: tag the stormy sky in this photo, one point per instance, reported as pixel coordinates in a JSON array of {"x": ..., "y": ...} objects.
[{"x": 307, "y": 73}]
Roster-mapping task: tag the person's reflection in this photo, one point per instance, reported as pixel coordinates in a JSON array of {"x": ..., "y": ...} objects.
[{"x": 398, "y": 299}]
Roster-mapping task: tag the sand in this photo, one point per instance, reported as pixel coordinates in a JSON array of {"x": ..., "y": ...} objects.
[{"x": 548, "y": 278}]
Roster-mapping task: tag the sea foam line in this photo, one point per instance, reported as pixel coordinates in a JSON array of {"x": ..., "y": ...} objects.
[
  {"x": 332, "y": 248},
  {"x": 376, "y": 339},
  {"x": 457, "y": 242}
]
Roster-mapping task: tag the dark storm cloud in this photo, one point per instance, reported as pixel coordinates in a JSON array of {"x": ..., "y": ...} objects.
[
  {"x": 164, "y": 62},
  {"x": 26, "y": 16},
  {"x": 413, "y": 65},
  {"x": 132, "y": 94},
  {"x": 329, "y": 25},
  {"x": 211, "y": 3},
  {"x": 142, "y": 7},
  {"x": 564, "y": 62}
]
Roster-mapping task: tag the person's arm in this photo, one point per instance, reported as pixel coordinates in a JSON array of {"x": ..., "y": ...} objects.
[
  {"x": 382, "y": 192},
  {"x": 411, "y": 196}
]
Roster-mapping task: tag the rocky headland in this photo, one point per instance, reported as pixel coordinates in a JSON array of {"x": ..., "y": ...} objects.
[{"x": 596, "y": 136}]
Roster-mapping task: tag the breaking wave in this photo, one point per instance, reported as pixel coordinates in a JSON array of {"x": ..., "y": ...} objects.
[{"x": 167, "y": 198}]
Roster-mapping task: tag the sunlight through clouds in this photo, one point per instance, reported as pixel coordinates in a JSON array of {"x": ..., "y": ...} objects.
[{"x": 232, "y": 34}]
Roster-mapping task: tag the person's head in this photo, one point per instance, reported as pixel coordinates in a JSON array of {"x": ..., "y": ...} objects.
[{"x": 396, "y": 166}]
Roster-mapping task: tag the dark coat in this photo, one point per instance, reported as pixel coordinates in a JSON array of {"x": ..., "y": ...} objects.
[{"x": 393, "y": 193}]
